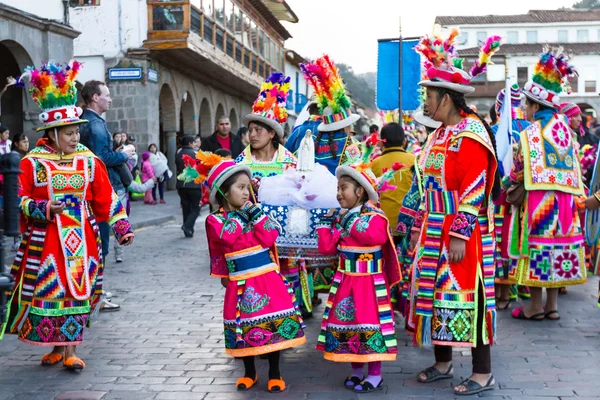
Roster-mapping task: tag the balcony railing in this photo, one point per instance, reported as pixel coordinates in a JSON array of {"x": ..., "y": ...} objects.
[{"x": 168, "y": 20}]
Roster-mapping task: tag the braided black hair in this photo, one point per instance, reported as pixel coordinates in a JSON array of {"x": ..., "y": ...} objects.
[
  {"x": 458, "y": 99},
  {"x": 331, "y": 143}
]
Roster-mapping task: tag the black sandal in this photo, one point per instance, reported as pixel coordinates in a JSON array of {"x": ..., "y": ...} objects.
[
  {"x": 367, "y": 387},
  {"x": 474, "y": 387},
  {"x": 433, "y": 374},
  {"x": 506, "y": 307},
  {"x": 547, "y": 315},
  {"x": 519, "y": 313},
  {"x": 355, "y": 381}
]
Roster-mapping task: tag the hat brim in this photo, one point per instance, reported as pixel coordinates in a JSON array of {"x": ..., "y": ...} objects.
[
  {"x": 217, "y": 184},
  {"x": 464, "y": 89},
  {"x": 60, "y": 124},
  {"x": 426, "y": 120},
  {"x": 362, "y": 181},
  {"x": 546, "y": 103},
  {"x": 337, "y": 125},
  {"x": 268, "y": 121}
]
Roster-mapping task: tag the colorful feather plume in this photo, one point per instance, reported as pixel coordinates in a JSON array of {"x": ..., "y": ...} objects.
[
  {"x": 197, "y": 169},
  {"x": 383, "y": 182},
  {"x": 553, "y": 70},
  {"x": 272, "y": 98},
  {"x": 327, "y": 83},
  {"x": 439, "y": 51},
  {"x": 53, "y": 85},
  {"x": 491, "y": 46},
  {"x": 389, "y": 116}
]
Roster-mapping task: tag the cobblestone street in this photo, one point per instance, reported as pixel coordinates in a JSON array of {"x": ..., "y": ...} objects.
[{"x": 166, "y": 343}]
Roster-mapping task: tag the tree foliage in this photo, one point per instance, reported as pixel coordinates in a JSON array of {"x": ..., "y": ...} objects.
[
  {"x": 587, "y": 4},
  {"x": 361, "y": 91}
]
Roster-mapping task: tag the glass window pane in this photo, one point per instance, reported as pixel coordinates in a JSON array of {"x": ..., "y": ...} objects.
[
  {"x": 219, "y": 12},
  {"x": 563, "y": 36},
  {"x": 582, "y": 35},
  {"x": 247, "y": 32},
  {"x": 531, "y": 36},
  {"x": 208, "y": 8},
  {"x": 229, "y": 15},
  {"x": 239, "y": 33},
  {"x": 513, "y": 37},
  {"x": 463, "y": 38},
  {"x": 254, "y": 37},
  {"x": 481, "y": 37},
  {"x": 590, "y": 86},
  {"x": 261, "y": 43},
  {"x": 167, "y": 18}
]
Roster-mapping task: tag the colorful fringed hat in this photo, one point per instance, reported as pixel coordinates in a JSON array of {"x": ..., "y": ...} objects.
[
  {"x": 269, "y": 107},
  {"x": 359, "y": 169},
  {"x": 53, "y": 89},
  {"x": 516, "y": 97},
  {"x": 334, "y": 103},
  {"x": 550, "y": 78},
  {"x": 444, "y": 67},
  {"x": 211, "y": 168}
]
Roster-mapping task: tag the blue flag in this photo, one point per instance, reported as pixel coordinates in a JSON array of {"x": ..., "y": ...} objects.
[{"x": 387, "y": 75}]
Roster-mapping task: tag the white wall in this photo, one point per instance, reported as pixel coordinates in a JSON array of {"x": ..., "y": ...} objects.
[
  {"x": 111, "y": 28},
  {"x": 49, "y": 9},
  {"x": 291, "y": 70},
  {"x": 545, "y": 33},
  {"x": 93, "y": 68}
]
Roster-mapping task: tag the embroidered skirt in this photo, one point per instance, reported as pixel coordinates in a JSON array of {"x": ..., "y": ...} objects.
[
  {"x": 553, "y": 242},
  {"x": 358, "y": 324},
  {"x": 260, "y": 311}
]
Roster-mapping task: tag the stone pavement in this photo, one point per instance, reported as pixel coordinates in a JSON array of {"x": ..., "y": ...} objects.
[{"x": 166, "y": 343}]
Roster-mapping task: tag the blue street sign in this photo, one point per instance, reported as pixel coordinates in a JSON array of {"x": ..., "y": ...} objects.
[{"x": 124, "y": 73}]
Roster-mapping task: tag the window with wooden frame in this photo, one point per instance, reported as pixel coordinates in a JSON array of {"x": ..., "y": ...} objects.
[{"x": 82, "y": 3}]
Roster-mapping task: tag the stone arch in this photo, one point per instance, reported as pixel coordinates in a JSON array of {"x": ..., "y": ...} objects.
[
  {"x": 220, "y": 111},
  {"x": 588, "y": 109},
  {"x": 206, "y": 124},
  {"x": 15, "y": 101},
  {"x": 168, "y": 127},
  {"x": 235, "y": 121},
  {"x": 188, "y": 118}
]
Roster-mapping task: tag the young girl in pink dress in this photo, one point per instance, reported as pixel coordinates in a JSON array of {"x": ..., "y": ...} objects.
[
  {"x": 260, "y": 312},
  {"x": 147, "y": 174},
  {"x": 358, "y": 324}
]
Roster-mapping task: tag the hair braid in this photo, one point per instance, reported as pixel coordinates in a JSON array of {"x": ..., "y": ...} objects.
[{"x": 458, "y": 99}]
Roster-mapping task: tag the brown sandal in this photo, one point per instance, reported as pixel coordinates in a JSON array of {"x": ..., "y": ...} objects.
[
  {"x": 51, "y": 358},
  {"x": 74, "y": 363}
]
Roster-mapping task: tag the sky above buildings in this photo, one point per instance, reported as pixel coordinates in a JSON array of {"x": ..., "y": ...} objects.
[{"x": 348, "y": 30}]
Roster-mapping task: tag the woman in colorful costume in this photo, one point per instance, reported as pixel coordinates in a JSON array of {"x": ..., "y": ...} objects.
[
  {"x": 358, "y": 322},
  {"x": 266, "y": 156},
  {"x": 260, "y": 313},
  {"x": 506, "y": 267},
  {"x": 65, "y": 192},
  {"x": 546, "y": 233},
  {"x": 452, "y": 282}
]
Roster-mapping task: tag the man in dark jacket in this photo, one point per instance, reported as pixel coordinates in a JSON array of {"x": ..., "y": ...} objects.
[
  {"x": 189, "y": 193},
  {"x": 223, "y": 139},
  {"x": 96, "y": 137}
]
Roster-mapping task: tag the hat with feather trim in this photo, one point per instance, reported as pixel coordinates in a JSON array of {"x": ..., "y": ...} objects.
[
  {"x": 211, "y": 168},
  {"x": 516, "y": 97},
  {"x": 444, "y": 68},
  {"x": 330, "y": 91},
  {"x": 53, "y": 89},
  {"x": 359, "y": 169},
  {"x": 550, "y": 78},
  {"x": 269, "y": 107}
]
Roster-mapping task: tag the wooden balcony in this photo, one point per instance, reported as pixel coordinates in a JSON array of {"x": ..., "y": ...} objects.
[{"x": 180, "y": 36}]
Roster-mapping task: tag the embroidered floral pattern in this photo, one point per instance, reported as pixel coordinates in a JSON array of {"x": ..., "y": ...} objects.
[
  {"x": 377, "y": 343},
  {"x": 346, "y": 309},
  {"x": 288, "y": 329},
  {"x": 463, "y": 224},
  {"x": 362, "y": 224},
  {"x": 252, "y": 301}
]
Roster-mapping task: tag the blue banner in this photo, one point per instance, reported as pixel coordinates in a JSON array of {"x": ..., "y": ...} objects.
[{"x": 387, "y": 76}]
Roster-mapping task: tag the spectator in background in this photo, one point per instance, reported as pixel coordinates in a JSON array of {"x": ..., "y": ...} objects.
[
  {"x": 243, "y": 135},
  {"x": 223, "y": 139},
  {"x": 5, "y": 142},
  {"x": 148, "y": 174},
  {"x": 197, "y": 143},
  {"x": 190, "y": 193},
  {"x": 20, "y": 144},
  {"x": 117, "y": 141},
  {"x": 493, "y": 115},
  {"x": 96, "y": 137},
  {"x": 161, "y": 171}
]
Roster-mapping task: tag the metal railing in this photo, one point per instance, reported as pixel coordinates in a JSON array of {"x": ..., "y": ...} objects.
[{"x": 177, "y": 19}]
